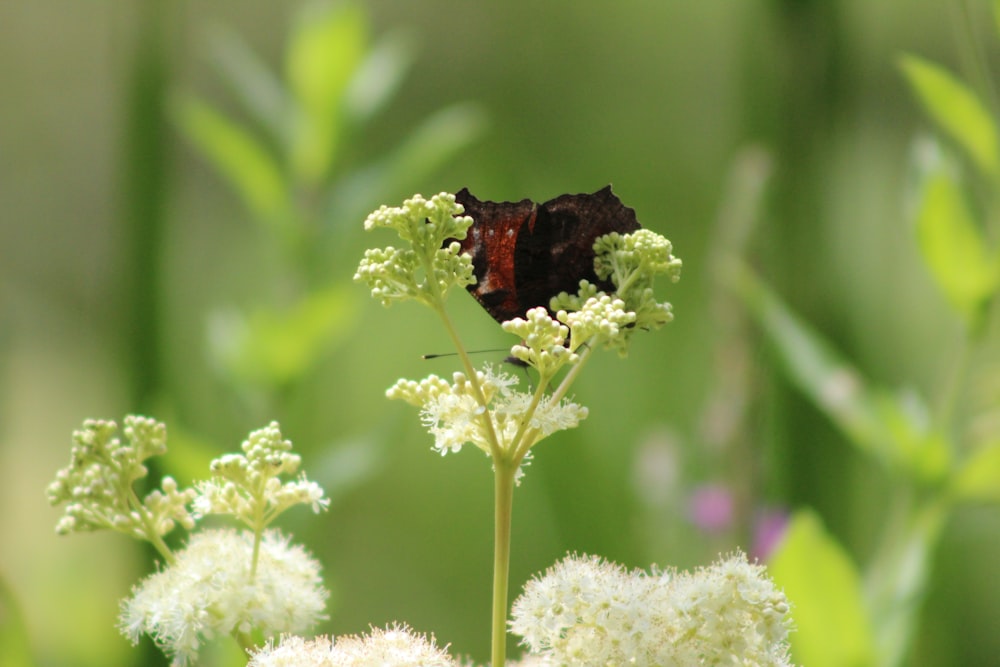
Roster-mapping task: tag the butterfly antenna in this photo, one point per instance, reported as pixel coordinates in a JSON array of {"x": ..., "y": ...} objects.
[{"x": 452, "y": 354}]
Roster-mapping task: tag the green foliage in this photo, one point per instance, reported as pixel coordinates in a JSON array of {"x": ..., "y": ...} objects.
[
  {"x": 949, "y": 230},
  {"x": 291, "y": 166},
  {"x": 14, "y": 648},
  {"x": 953, "y": 246},
  {"x": 956, "y": 109},
  {"x": 892, "y": 428},
  {"x": 236, "y": 154},
  {"x": 325, "y": 48},
  {"x": 931, "y": 467},
  {"x": 978, "y": 479},
  {"x": 278, "y": 347},
  {"x": 832, "y": 622}
]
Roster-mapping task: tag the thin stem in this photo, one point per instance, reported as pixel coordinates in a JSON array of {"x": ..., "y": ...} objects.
[
  {"x": 521, "y": 443},
  {"x": 151, "y": 534},
  {"x": 504, "y": 472},
  {"x": 897, "y": 578},
  {"x": 245, "y": 641},
  {"x": 570, "y": 377}
]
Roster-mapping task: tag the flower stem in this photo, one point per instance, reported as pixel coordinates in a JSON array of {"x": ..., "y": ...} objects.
[{"x": 503, "y": 476}]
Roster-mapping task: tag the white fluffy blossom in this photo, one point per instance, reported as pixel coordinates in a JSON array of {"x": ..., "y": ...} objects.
[
  {"x": 210, "y": 591},
  {"x": 396, "y": 646},
  {"x": 588, "y": 612},
  {"x": 454, "y": 415}
]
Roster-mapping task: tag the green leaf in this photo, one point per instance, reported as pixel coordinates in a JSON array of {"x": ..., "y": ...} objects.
[
  {"x": 832, "y": 625},
  {"x": 15, "y": 649},
  {"x": 978, "y": 479},
  {"x": 956, "y": 109},
  {"x": 234, "y": 152},
  {"x": 953, "y": 246},
  {"x": 432, "y": 144},
  {"x": 275, "y": 348},
  {"x": 833, "y": 385},
  {"x": 326, "y": 47},
  {"x": 435, "y": 141},
  {"x": 378, "y": 77},
  {"x": 893, "y": 429},
  {"x": 256, "y": 88}
]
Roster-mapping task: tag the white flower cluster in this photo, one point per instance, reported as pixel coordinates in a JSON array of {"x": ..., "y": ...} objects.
[
  {"x": 396, "y": 646},
  {"x": 209, "y": 591},
  {"x": 454, "y": 415},
  {"x": 588, "y": 612}
]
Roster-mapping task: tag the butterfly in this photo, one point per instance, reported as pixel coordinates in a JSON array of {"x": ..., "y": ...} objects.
[{"x": 524, "y": 253}]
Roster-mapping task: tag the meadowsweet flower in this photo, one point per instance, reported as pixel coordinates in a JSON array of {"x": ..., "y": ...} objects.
[
  {"x": 209, "y": 591},
  {"x": 426, "y": 269},
  {"x": 631, "y": 262},
  {"x": 601, "y": 319},
  {"x": 544, "y": 342},
  {"x": 454, "y": 415},
  {"x": 396, "y": 646},
  {"x": 586, "y": 611},
  {"x": 247, "y": 485},
  {"x": 97, "y": 486}
]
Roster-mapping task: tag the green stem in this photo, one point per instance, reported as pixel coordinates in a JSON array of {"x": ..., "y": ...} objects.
[
  {"x": 470, "y": 373},
  {"x": 504, "y": 472},
  {"x": 571, "y": 376},
  {"x": 245, "y": 641},
  {"x": 897, "y": 578}
]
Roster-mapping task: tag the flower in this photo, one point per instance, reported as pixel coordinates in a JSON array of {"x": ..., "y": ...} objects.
[
  {"x": 97, "y": 486},
  {"x": 589, "y": 612},
  {"x": 426, "y": 268},
  {"x": 247, "y": 485},
  {"x": 212, "y": 589},
  {"x": 396, "y": 646},
  {"x": 455, "y": 416}
]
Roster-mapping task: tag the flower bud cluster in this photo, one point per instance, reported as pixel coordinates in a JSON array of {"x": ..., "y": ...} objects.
[
  {"x": 97, "y": 484},
  {"x": 544, "y": 342},
  {"x": 247, "y": 485},
  {"x": 427, "y": 268},
  {"x": 631, "y": 262}
]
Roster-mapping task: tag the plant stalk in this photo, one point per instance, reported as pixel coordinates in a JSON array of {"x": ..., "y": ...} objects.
[{"x": 503, "y": 476}]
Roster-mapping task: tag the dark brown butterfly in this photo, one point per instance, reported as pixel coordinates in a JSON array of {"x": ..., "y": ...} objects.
[{"x": 524, "y": 253}]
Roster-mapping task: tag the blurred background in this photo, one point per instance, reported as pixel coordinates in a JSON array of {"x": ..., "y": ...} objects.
[{"x": 177, "y": 240}]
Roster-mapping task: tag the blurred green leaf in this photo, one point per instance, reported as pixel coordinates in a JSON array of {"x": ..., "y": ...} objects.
[
  {"x": 379, "y": 76},
  {"x": 15, "y": 649},
  {"x": 873, "y": 420},
  {"x": 274, "y": 348},
  {"x": 832, "y": 627},
  {"x": 343, "y": 466},
  {"x": 979, "y": 477},
  {"x": 237, "y": 155},
  {"x": 953, "y": 246},
  {"x": 956, "y": 109},
  {"x": 435, "y": 141},
  {"x": 256, "y": 88},
  {"x": 326, "y": 47}
]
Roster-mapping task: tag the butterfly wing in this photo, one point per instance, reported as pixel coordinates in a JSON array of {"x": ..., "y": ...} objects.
[{"x": 524, "y": 254}]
